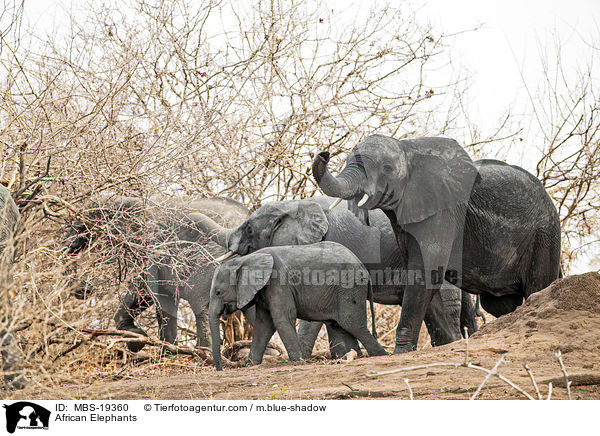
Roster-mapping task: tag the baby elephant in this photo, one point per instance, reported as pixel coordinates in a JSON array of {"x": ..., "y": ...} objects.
[{"x": 319, "y": 282}]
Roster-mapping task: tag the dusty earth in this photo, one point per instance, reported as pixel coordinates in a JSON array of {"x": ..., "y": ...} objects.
[{"x": 564, "y": 316}]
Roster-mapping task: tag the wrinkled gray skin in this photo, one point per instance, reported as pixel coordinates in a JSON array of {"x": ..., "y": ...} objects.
[
  {"x": 300, "y": 222},
  {"x": 488, "y": 227},
  {"x": 177, "y": 268},
  {"x": 274, "y": 280},
  {"x": 11, "y": 356}
]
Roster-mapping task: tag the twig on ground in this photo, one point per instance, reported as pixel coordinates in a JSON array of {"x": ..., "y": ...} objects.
[
  {"x": 452, "y": 365},
  {"x": 558, "y": 355},
  {"x": 466, "y": 346},
  {"x": 459, "y": 365},
  {"x": 489, "y": 374},
  {"x": 535, "y": 386},
  {"x": 410, "y": 392},
  {"x": 349, "y": 387}
]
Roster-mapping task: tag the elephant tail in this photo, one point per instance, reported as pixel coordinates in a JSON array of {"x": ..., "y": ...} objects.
[
  {"x": 478, "y": 311},
  {"x": 370, "y": 297}
]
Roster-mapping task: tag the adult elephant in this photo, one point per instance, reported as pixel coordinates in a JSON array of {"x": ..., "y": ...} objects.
[
  {"x": 302, "y": 222},
  {"x": 488, "y": 227},
  {"x": 177, "y": 256},
  {"x": 11, "y": 357}
]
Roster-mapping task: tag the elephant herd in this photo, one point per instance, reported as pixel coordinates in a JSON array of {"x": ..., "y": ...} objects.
[{"x": 420, "y": 225}]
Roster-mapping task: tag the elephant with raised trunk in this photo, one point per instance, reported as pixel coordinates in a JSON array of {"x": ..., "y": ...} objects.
[
  {"x": 322, "y": 282},
  {"x": 177, "y": 255},
  {"x": 488, "y": 227},
  {"x": 301, "y": 222}
]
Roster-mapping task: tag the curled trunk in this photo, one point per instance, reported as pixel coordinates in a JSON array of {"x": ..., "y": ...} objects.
[{"x": 343, "y": 186}]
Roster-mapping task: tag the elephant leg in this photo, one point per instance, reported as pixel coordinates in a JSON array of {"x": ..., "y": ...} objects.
[
  {"x": 340, "y": 342},
  {"x": 363, "y": 334},
  {"x": 468, "y": 314},
  {"x": 307, "y": 334},
  {"x": 414, "y": 306},
  {"x": 202, "y": 328},
  {"x": 263, "y": 331},
  {"x": 429, "y": 245},
  {"x": 11, "y": 362},
  {"x": 285, "y": 324},
  {"x": 250, "y": 314},
  {"x": 499, "y": 306},
  {"x": 442, "y": 317},
  {"x": 166, "y": 314},
  {"x": 132, "y": 305}
]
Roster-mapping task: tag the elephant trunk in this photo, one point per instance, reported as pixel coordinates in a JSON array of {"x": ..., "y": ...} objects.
[
  {"x": 215, "y": 311},
  {"x": 343, "y": 186},
  {"x": 217, "y": 233}
]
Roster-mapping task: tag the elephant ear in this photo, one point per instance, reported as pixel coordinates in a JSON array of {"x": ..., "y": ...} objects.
[
  {"x": 440, "y": 175},
  {"x": 253, "y": 274},
  {"x": 310, "y": 223}
]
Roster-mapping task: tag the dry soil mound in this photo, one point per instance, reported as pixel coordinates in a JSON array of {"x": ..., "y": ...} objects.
[{"x": 567, "y": 302}]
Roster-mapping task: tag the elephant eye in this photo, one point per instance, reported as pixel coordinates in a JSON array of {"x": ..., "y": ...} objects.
[
  {"x": 249, "y": 230},
  {"x": 388, "y": 169}
]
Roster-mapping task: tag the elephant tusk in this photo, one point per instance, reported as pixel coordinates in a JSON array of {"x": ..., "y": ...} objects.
[
  {"x": 363, "y": 200},
  {"x": 335, "y": 203},
  {"x": 226, "y": 256}
]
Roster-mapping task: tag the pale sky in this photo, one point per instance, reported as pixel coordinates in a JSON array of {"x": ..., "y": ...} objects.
[{"x": 511, "y": 36}]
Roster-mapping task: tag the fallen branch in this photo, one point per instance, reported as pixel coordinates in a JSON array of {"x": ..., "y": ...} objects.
[
  {"x": 363, "y": 394},
  {"x": 489, "y": 374},
  {"x": 127, "y": 336},
  {"x": 232, "y": 349}
]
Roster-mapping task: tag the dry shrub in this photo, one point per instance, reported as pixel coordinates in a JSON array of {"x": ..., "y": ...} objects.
[{"x": 187, "y": 99}]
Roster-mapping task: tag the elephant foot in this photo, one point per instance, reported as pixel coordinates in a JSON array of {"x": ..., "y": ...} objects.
[
  {"x": 404, "y": 349},
  {"x": 404, "y": 341},
  {"x": 134, "y": 346}
]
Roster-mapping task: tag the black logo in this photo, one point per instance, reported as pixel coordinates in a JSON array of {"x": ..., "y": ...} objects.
[{"x": 24, "y": 414}]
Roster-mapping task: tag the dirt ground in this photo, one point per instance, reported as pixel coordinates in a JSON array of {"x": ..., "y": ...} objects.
[{"x": 564, "y": 316}]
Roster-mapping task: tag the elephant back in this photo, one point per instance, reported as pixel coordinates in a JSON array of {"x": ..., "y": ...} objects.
[{"x": 224, "y": 211}]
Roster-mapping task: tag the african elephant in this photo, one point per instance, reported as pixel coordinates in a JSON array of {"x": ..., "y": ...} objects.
[
  {"x": 488, "y": 227},
  {"x": 177, "y": 256},
  {"x": 318, "y": 282},
  {"x": 11, "y": 358},
  {"x": 299, "y": 222}
]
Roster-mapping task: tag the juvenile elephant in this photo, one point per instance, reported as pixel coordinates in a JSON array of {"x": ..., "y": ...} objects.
[
  {"x": 301, "y": 222},
  {"x": 319, "y": 282},
  {"x": 488, "y": 227},
  {"x": 177, "y": 256},
  {"x": 10, "y": 355}
]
